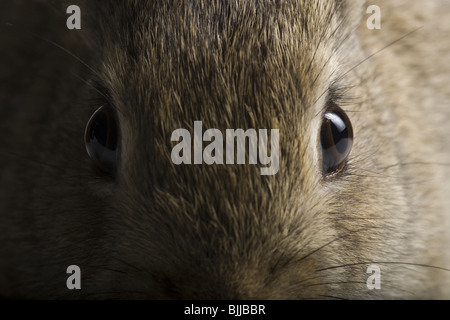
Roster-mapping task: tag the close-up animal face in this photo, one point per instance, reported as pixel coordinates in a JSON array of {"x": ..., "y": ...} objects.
[{"x": 224, "y": 150}]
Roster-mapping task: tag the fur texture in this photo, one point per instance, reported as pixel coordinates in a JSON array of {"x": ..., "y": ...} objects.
[{"x": 224, "y": 231}]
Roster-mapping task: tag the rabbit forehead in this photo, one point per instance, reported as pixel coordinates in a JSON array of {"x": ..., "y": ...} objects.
[{"x": 202, "y": 55}]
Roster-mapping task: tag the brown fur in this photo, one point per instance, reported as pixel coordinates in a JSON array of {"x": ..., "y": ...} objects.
[{"x": 224, "y": 231}]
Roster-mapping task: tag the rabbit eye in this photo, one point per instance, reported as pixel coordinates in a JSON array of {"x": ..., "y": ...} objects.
[
  {"x": 101, "y": 140},
  {"x": 336, "y": 139}
]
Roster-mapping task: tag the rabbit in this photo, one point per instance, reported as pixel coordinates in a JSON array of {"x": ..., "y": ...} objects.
[{"x": 87, "y": 177}]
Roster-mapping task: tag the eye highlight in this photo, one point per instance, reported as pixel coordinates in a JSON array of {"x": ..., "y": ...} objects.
[
  {"x": 101, "y": 140},
  {"x": 336, "y": 140}
]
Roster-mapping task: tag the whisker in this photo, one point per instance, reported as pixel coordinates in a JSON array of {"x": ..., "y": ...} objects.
[
  {"x": 34, "y": 161},
  {"x": 332, "y": 282},
  {"x": 102, "y": 94},
  {"x": 383, "y": 262},
  {"x": 332, "y": 297},
  {"x": 91, "y": 86},
  {"x": 355, "y": 282},
  {"x": 104, "y": 268},
  {"x": 79, "y": 245},
  {"x": 101, "y": 295},
  {"x": 366, "y": 59},
  {"x": 334, "y": 52},
  {"x": 54, "y": 44},
  {"x": 320, "y": 42},
  {"x": 377, "y": 52},
  {"x": 401, "y": 164},
  {"x": 329, "y": 243}
]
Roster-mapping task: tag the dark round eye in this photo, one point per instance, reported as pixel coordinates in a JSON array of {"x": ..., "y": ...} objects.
[
  {"x": 101, "y": 139},
  {"x": 336, "y": 139}
]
